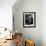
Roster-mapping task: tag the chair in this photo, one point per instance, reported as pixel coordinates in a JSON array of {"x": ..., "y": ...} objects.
[
  {"x": 29, "y": 43},
  {"x": 18, "y": 39}
]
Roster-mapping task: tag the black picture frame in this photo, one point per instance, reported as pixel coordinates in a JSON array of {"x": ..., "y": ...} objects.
[{"x": 29, "y": 19}]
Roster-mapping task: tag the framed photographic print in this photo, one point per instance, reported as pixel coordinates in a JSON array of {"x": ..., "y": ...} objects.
[{"x": 29, "y": 19}]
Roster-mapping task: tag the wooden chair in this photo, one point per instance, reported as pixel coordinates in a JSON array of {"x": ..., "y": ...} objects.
[
  {"x": 18, "y": 39},
  {"x": 29, "y": 43}
]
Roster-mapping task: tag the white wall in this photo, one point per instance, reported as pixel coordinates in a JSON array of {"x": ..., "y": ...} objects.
[
  {"x": 36, "y": 33},
  {"x": 43, "y": 22},
  {"x": 6, "y": 13}
]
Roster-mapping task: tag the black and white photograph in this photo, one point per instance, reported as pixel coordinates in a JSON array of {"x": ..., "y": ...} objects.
[{"x": 29, "y": 19}]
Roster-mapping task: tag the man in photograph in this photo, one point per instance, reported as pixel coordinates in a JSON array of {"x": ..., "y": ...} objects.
[{"x": 28, "y": 19}]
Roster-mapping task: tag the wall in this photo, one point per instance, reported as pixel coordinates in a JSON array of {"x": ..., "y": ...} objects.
[
  {"x": 43, "y": 22},
  {"x": 35, "y": 34},
  {"x": 6, "y": 13}
]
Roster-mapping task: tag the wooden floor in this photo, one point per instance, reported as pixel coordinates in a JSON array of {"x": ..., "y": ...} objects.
[{"x": 9, "y": 43}]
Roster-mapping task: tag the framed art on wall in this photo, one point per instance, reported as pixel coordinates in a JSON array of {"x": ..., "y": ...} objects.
[{"x": 29, "y": 19}]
